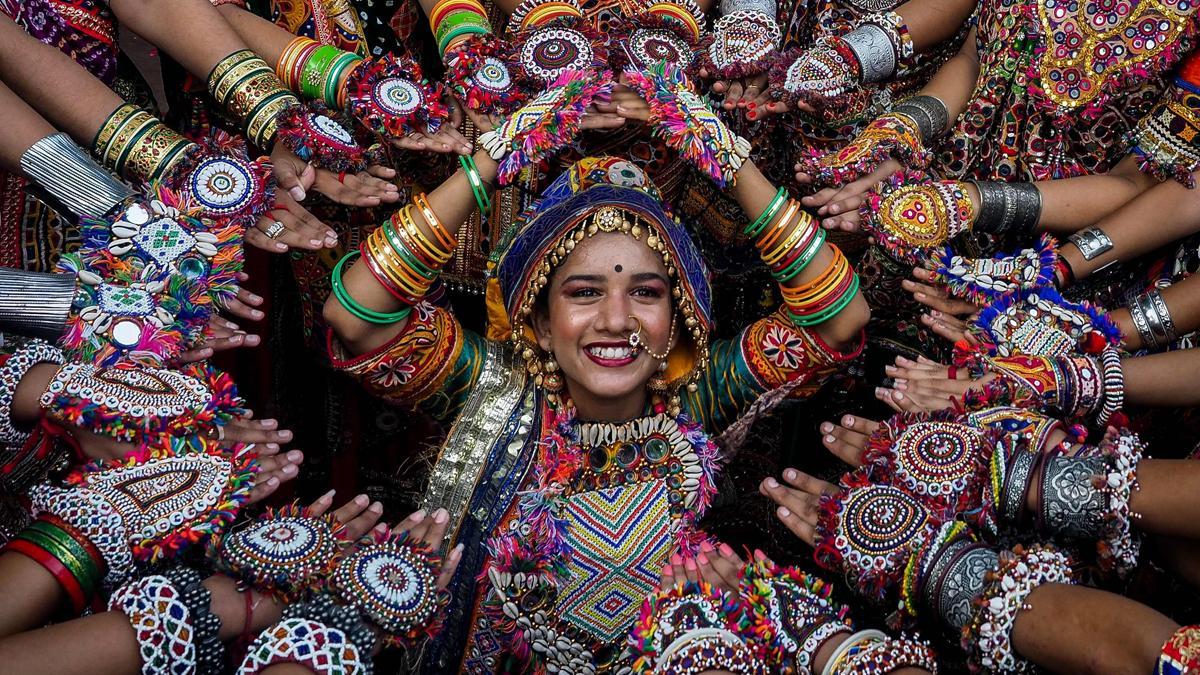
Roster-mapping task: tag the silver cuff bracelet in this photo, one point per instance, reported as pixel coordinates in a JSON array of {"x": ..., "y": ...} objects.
[
  {"x": 35, "y": 304},
  {"x": 66, "y": 172},
  {"x": 1091, "y": 242}
]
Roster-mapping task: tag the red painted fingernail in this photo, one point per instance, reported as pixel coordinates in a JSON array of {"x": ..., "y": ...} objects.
[
  {"x": 667, "y": 571},
  {"x": 689, "y": 564},
  {"x": 726, "y": 551},
  {"x": 701, "y": 558},
  {"x": 705, "y": 546},
  {"x": 676, "y": 560}
]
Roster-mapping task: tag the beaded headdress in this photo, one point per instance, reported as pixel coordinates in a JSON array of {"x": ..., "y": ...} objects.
[{"x": 600, "y": 194}]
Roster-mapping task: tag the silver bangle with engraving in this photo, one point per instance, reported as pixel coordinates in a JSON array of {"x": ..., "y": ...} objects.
[
  {"x": 762, "y": 6},
  {"x": 1164, "y": 316},
  {"x": 1091, "y": 242},
  {"x": 1072, "y": 507},
  {"x": 930, "y": 114},
  {"x": 875, "y": 52},
  {"x": 69, "y": 175},
  {"x": 956, "y": 578},
  {"x": 1137, "y": 312}
]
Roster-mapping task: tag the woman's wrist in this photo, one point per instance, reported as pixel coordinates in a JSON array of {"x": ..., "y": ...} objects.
[
  {"x": 240, "y": 615},
  {"x": 25, "y": 408},
  {"x": 827, "y": 650}
]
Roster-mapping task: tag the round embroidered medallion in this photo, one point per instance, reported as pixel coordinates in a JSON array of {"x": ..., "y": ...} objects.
[
  {"x": 548, "y": 53},
  {"x": 398, "y": 97},
  {"x": 223, "y": 185},
  {"x": 937, "y": 458}
]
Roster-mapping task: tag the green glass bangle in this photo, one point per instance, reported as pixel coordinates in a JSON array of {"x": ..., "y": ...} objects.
[
  {"x": 803, "y": 260},
  {"x": 339, "y": 67},
  {"x": 352, "y": 306},
  {"x": 768, "y": 213},
  {"x": 405, "y": 254},
  {"x": 81, "y": 569},
  {"x": 829, "y": 312},
  {"x": 476, "y": 181},
  {"x": 312, "y": 76},
  {"x": 86, "y": 571},
  {"x": 458, "y": 31},
  {"x": 458, "y": 19}
]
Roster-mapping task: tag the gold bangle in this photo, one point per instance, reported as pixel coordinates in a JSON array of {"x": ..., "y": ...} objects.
[
  {"x": 152, "y": 154},
  {"x": 105, "y": 134},
  {"x": 264, "y": 124},
  {"x": 224, "y": 65},
  {"x": 397, "y": 271},
  {"x": 131, "y": 128}
]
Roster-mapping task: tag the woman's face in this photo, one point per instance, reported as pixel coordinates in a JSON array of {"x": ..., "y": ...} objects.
[{"x": 605, "y": 281}]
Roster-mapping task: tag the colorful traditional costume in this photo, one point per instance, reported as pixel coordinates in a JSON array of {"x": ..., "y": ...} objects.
[{"x": 565, "y": 525}]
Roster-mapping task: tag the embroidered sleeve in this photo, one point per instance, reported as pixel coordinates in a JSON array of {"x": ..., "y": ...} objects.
[
  {"x": 433, "y": 362},
  {"x": 1167, "y": 140},
  {"x": 770, "y": 353}
]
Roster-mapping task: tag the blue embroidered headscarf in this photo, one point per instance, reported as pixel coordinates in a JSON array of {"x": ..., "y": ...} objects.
[{"x": 601, "y": 194}]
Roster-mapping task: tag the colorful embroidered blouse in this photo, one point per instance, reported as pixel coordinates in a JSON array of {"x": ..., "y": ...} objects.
[
  {"x": 434, "y": 363},
  {"x": 622, "y": 504},
  {"x": 1062, "y": 83}
]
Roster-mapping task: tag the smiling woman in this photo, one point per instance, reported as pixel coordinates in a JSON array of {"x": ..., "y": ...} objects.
[{"x": 579, "y": 459}]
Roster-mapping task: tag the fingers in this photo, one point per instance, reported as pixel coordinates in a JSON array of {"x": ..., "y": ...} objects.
[
  {"x": 819, "y": 199},
  {"x": 322, "y": 504},
  {"x": 411, "y": 521},
  {"x": 244, "y": 305},
  {"x": 912, "y": 402},
  {"x": 450, "y": 136},
  {"x": 358, "y": 516},
  {"x": 797, "y": 507},
  {"x": 449, "y": 567},
  {"x": 354, "y": 190},
  {"x": 266, "y": 432},
  {"x": 937, "y": 298},
  {"x": 668, "y": 579},
  {"x": 943, "y": 325},
  {"x": 194, "y": 355},
  {"x": 436, "y": 531},
  {"x": 415, "y": 142},
  {"x": 273, "y": 471},
  {"x": 847, "y": 444},
  {"x": 287, "y": 169},
  {"x": 385, "y": 172},
  {"x": 733, "y": 95},
  {"x": 752, "y": 90},
  {"x": 716, "y": 569}
]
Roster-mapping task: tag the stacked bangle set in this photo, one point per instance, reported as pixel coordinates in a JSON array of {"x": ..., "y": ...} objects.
[
  {"x": 66, "y": 553},
  {"x": 453, "y": 21},
  {"x": 316, "y": 71},
  {"x": 133, "y": 143},
  {"x": 402, "y": 258},
  {"x": 246, "y": 87},
  {"x": 789, "y": 239}
]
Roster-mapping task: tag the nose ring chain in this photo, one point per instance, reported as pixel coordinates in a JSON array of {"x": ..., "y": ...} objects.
[{"x": 638, "y": 342}]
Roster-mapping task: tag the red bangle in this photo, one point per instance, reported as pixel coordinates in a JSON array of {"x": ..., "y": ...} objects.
[
  {"x": 93, "y": 552},
  {"x": 342, "y": 177},
  {"x": 66, "y": 580},
  {"x": 952, "y": 371}
]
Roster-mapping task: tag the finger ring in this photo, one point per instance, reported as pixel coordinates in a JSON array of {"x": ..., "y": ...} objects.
[
  {"x": 341, "y": 176},
  {"x": 274, "y": 230}
]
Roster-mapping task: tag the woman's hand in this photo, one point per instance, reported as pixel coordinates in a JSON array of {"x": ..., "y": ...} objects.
[
  {"x": 947, "y": 316},
  {"x": 718, "y": 566},
  {"x": 839, "y": 205},
  {"x": 624, "y": 104},
  {"x": 925, "y": 386},
  {"x": 447, "y": 139},
  {"x": 431, "y": 531},
  {"x": 301, "y": 229},
  {"x": 799, "y": 500},
  {"x": 848, "y": 439},
  {"x": 221, "y": 335},
  {"x": 358, "y": 516},
  {"x": 274, "y": 469},
  {"x": 749, "y": 93},
  {"x": 366, "y": 188}
]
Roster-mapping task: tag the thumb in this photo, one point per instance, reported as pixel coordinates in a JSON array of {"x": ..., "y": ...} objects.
[{"x": 286, "y": 178}]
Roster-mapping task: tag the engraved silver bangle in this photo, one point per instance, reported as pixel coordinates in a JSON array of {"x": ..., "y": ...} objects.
[
  {"x": 1007, "y": 206},
  {"x": 1019, "y": 472},
  {"x": 1138, "y": 314},
  {"x": 1028, "y": 205},
  {"x": 69, "y": 175},
  {"x": 956, "y": 578},
  {"x": 873, "y": 48},
  {"x": 1071, "y": 505},
  {"x": 762, "y": 6},
  {"x": 1164, "y": 316},
  {"x": 35, "y": 304},
  {"x": 1091, "y": 242},
  {"x": 1154, "y": 321},
  {"x": 930, "y": 114}
]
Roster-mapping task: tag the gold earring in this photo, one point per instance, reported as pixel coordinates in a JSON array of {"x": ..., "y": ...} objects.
[{"x": 552, "y": 381}]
